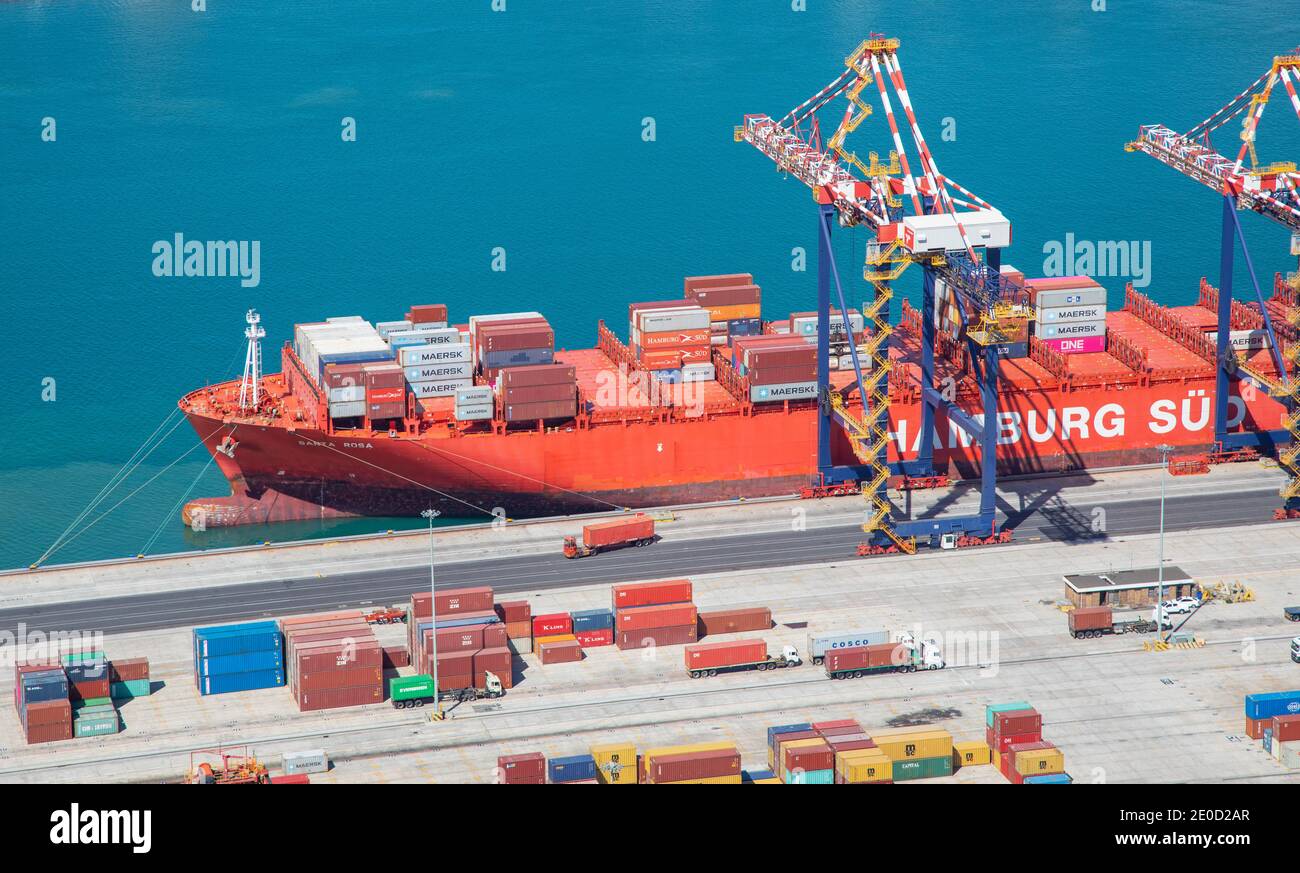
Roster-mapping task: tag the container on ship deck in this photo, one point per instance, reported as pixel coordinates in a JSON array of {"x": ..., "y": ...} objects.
[
  {"x": 637, "y": 618},
  {"x": 777, "y": 393},
  {"x": 660, "y": 636},
  {"x": 512, "y": 338},
  {"x": 667, "y": 360},
  {"x": 438, "y": 372},
  {"x": 542, "y": 410},
  {"x": 1050, "y": 299},
  {"x": 426, "y": 312},
  {"x": 691, "y": 284},
  {"x": 473, "y": 413},
  {"x": 355, "y": 409},
  {"x": 424, "y": 354},
  {"x": 531, "y": 394},
  {"x": 526, "y": 769},
  {"x": 474, "y": 395},
  {"x": 380, "y": 411},
  {"x": 386, "y": 396},
  {"x": 730, "y": 621},
  {"x": 520, "y": 357},
  {"x": 1072, "y": 330},
  {"x": 425, "y": 390},
  {"x": 384, "y": 328},
  {"x": 1058, "y": 314},
  {"x": 542, "y": 374},
  {"x": 671, "y": 339},
  {"x": 650, "y": 593},
  {"x": 767, "y": 375},
  {"x": 731, "y": 311},
  {"x": 794, "y": 354},
  {"x": 698, "y": 373},
  {"x": 343, "y": 376}
]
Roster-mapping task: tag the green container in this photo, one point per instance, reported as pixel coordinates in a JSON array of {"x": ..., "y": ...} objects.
[
  {"x": 922, "y": 768},
  {"x": 130, "y": 689},
  {"x": 78, "y": 657},
  {"x": 411, "y": 687},
  {"x": 994, "y": 708},
  {"x": 808, "y": 777},
  {"x": 92, "y": 702},
  {"x": 94, "y": 721}
]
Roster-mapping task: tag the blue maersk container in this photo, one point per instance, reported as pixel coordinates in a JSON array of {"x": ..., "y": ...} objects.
[
  {"x": 238, "y": 657},
  {"x": 572, "y": 769},
  {"x": 1261, "y": 706},
  {"x": 592, "y": 619}
]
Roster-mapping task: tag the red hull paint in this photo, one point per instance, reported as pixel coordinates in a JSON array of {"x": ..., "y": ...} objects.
[{"x": 278, "y": 473}]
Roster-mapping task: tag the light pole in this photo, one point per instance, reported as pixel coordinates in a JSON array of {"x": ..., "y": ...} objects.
[
  {"x": 431, "y": 514},
  {"x": 1164, "y": 449}
]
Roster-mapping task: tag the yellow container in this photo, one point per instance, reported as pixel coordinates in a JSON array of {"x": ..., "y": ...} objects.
[
  {"x": 903, "y": 745},
  {"x": 615, "y": 763},
  {"x": 772, "y": 781},
  {"x": 559, "y": 638},
  {"x": 735, "y": 311},
  {"x": 864, "y": 766},
  {"x": 733, "y": 779},
  {"x": 1042, "y": 762},
  {"x": 971, "y": 754},
  {"x": 651, "y": 754}
]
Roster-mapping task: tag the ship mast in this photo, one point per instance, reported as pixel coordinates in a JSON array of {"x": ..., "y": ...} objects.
[{"x": 250, "y": 388}]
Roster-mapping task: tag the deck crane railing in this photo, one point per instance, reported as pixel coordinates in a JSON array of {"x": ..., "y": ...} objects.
[
  {"x": 1271, "y": 190},
  {"x": 942, "y": 231}
]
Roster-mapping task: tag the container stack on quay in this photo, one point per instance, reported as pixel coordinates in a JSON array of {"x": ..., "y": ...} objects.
[
  {"x": 654, "y": 613},
  {"x": 42, "y": 702},
  {"x": 76, "y": 695},
  {"x": 593, "y": 627},
  {"x": 1014, "y": 735},
  {"x": 1069, "y": 313},
  {"x": 697, "y": 764},
  {"x": 238, "y": 657},
  {"x": 472, "y": 637},
  {"x": 333, "y": 661},
  {"x": 1274, "y": 720},
  {"x": 554, "y": 640}
]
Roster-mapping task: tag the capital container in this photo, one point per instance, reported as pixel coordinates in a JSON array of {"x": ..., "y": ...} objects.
[
  {"x": 922, "y": 768},
  {"x": 650, "y": 593}
]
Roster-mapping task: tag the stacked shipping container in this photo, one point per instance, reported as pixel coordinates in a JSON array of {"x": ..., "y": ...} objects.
[
  {"x": 333, "y": 660},
  {"x": 698, "y": 764},
  {"x": 473, "y": 638},
  {"x": 42, "y": 702},
  {"x": 654, "y": 613},
  {"x": 512, "y": 339},
  {"x": 1069, "y": 313},
  {"x": 238, "y": 657},
  {"x": 1274, "y": 719},
  {"x": 734, "y": 303},
  {"x": 1014, "y": 735}
]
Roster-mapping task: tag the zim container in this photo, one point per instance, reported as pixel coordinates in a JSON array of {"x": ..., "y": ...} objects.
[{"x": 651, "y": 593}]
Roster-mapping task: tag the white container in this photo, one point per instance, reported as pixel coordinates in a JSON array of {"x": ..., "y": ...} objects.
[
  {"x": 698, "y": 373},
  {"x": 1056, "y": 314},
  {"x": 348, "y": 410},
  {"x": 314, "y": 761},
  {"x": 807, "y": 325},
  {"x": 477, "y": 412},
  {"x": 437, "y": 372},
  {"x": 1072, "y": 330},
  {"x": 384, "y": 328},
  {"x": 1088, "y": 296},
  {"x": 1243, "y": 340},
  {"x": 424, "y": 326},
  {"x": 437, "y": 389},
  {"x": 347, "y": 394},
  {"x": 414, "y": 356},
  {"x": 784, "y": 391},
  {"x": 437, "y": 336},
  {"x": 683, "y": 318},
  {"x": 342, "y": 319},
  {"x": 474, "y": 395}
]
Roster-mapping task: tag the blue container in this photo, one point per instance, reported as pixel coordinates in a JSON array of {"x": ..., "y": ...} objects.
[
  {"x": 233, "y": 639},
  {"x": 571, "y": 769},
  {"x": 592, "y": 619},
  {"x": 668, "y": 377},
  {"x": 43, "y": 686},
  {"x": 745, "y": 327},
  {"x": 517, "y": 358},
  {"x": 785, "y": 729},
  {"x": 1050, "y": 779},
  {"x": 755, "y": 775},
  {"x": 228, "y": 682},
  {"x": 1268, "y": 740},
  {"x": 244, "y": 662},
  {"x": 467, "y": 621},
  {"x": 1260, "y": 706}
]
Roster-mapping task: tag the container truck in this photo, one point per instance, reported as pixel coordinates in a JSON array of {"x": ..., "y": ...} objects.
[
  {"x": 906, "y": 656},
  {"x": 710, "y": 659},
  {"x": 1093, "y": 621},
  {"x": 820, "y": 645},
  {"x": 414, "y": 691},
  {"x": 639, "y": 530}
]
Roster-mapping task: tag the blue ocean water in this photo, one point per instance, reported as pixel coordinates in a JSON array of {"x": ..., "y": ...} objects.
[{"x": 520, "y": 130}]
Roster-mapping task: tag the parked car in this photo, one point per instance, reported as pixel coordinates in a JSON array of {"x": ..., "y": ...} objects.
[{"x": 1181, "y": 605}]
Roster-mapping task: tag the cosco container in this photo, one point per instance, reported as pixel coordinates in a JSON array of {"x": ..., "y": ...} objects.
[
  {"x": 818, "y": 646},
  {"x": 1267, "y": 706}
]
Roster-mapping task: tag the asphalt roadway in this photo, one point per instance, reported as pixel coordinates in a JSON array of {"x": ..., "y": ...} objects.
[{"x": 1038, "y": 517}]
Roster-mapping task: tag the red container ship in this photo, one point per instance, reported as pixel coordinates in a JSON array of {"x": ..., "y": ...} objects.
[{"x": 288, "y": 460}]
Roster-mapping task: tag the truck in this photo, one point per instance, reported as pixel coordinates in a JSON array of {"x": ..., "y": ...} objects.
[
  {"x": 710, "y": 659},
  {"x": 818, "y": 646},
  {"x": 903, "y": 656},
  {"x": 638, "y": 530},
  {"x": 415, "y": 691},
  {"x": 1089, "y": 622}
]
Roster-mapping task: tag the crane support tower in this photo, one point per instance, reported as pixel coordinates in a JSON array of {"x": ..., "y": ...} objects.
[
  {"x": 920, "y": 218},
  {"x": 1271, "y": 190}
]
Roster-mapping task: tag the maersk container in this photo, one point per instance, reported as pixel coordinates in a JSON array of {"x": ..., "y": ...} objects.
[
  {"x": 1262, "y": 706},
  {"x": 592, "y": 619},
  {"x": 1055, "y": 314},
  {"x": 438, "y": 372},
  {"x": 424, "y": 354},
  {"x": 818, "y": 646},
  {"x": 384, "y": 328},
  {"x": 474, "y": 413},
  {"x": 313, "y": 761},
  {"x": 783, "y": 391},
  {"x": 473, "y": 395},
  {"x": 437, "y": 389},
  {"x": 244, "y": 662},
  {"x": 1072, "y": 330},
  {"x": 230, "y": 682},
  {"x": 572, "y": 769},
  {"x": 922, "y": 768}
]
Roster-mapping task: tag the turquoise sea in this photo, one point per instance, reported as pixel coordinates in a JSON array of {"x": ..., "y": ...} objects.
[{"x": 520, "y": 130}]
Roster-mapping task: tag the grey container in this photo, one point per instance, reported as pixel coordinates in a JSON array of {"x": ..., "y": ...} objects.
[
  {"x": 313, "y": 761},
  {"x": 354, "y": 409},
  {"x": 1072, "y": 330},
  {"x": 1052, "y": 315},
  {"x": 481, "y": 412},
  {"x": 1070, "y": 297}
]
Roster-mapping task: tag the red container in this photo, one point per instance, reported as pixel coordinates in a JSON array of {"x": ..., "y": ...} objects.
[
  {"x": 422, "y": 604},
  {"x": 495, "y": 636},
  {"x": 456, "y": 681},
  {"x": 542, "y": 410},
  {"x": 337, "y": 698},
  {"x": 519, "y": 630},
  {"x": 396, "y": 656},
  {"x": 90, "y": 689},
  {"x": 1255, "y": 727},
  {"x": 718, "y": 280},
  {"x": 602, "y": 637},
  {"x": 767, "y": 375},
  {"x": 732, "y": 621},
  {"x": 1286, "y": 728},
  {"x": 637, "y": 618},
  {"x": 808, "y": 758},
  {"x": 1090, "y": 618},
  {"x": 552, "y": 624},
  {"x": 673, "y": 339},
  {"x": 426, "y": 313},
  {"x": 48, "y": 712},
  {"x": 461, "y": 600},
  {"x": 664, "y": 360},
  {"x": 525, "y": 769},
  {"x": 456, "y": 663},
  {"x": 705, "y": 656},
  {"x": 332, "y": 655},
  {"x": 838, "y": 745},
  {"x": 381, "y": 377},
  {"x": 863, "y": 657},
  {"x": 539, "y": 374},
  {"x": 533, "y": 394},
  {"x": 48, "y": 733},
  {"x": 460, "y": 639},
  {"x": 664, "y": 769},
  {"x": 838, "y": 723},
  {"x": 291, "y": 779},
  {"x": 831, "y": 733},
  {"x": 328, "y": 680},
  {"x": 659, "y": 636},
  {"x": 649, "y": 593},
  {"x": 620, "y": 530},
  {"x": 561, "y": 652},
  {"x": 796, "y": 355},
  {"x": 1001, "y": 744},
  {"x": 343, "y": 375},
  {"x": 511, "y": 611},
  {"x": 498, "y": 661},
  {"x": 1017, "y": 722}
]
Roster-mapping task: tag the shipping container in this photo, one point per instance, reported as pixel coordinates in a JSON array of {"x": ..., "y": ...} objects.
[
  {"x": 994, "y": 708},
  {"x": 594, "y": 638},
  {"x": 819, "y": 645},
  {"x": 1017, "y": 721},
  {"x": 560, "y": 652},
  {"x": 914, "y": 743},
  {"x": 922, "y": 768},
  {"x": 638, "y": 618},
  {"x": 622, "y": 530},
  {"x": 774, "y": 393},
  {"x": 313, "y": 761},
  {"x": 813, "y": 753},
  {"x": 971, "y": 753},
  {"x": 571, "y": 769},
  {"x": 651, "y": 593},
  {"x": 660, "y": 636},
  {"x": 544, "y": 410},
  {"x": 730, "y": 621},
  {"x": 525, "y": 769},
  {"x": 688, "y": 766},
  {"x": 615, "y": 763},
  {"x": 706, "y": 656},
  {"x": 1270, "y": 705},
  {"x": 592, "y": 619},
  {"x": 864, "y": 766}
]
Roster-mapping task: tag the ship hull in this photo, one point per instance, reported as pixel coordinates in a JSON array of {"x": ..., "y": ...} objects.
[{"x": 283, "y": 474}]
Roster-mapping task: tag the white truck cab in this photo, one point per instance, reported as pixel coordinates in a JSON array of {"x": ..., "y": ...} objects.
[
  {"x": 1295, "y": 650},
  {"x": 932, "y": 655},
  {"x": 791, "y": 655}
]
